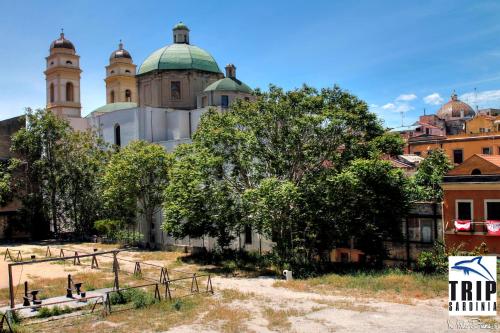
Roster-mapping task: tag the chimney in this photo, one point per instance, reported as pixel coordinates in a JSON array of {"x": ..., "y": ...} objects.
[{"x": 231, "y": 71}]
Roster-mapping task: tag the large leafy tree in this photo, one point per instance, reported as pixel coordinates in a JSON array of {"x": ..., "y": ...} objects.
[
  {"x": 134, "y": 181},
  {"x": 274, "y": 158},
  {"x": 429, "y": 176},
  {"x": 36, "y": 145},
  {"x": 83, "y": 157}
]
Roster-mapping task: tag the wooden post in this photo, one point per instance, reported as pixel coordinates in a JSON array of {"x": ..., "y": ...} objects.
[
  {"x": 167, "y": 291},
  {"x": 157, "y": 292},
  {"x": 116, "y": 285},
  {"x": 19, "y": 256},
  {"x": 196, "y": 282},
  {"x": 76, "y": 260},
  {"x": 7, "y": 252},
  {"x": 61, "y": 253},
  {"x": 209, "y": 282},
  {"x": 94, "y": 264},
  {"x": 48, "y": 253},
  {"x": 11, "y": 288},
  {"x": 5, "y": 319},
  {"x": 137, "y": 269}
]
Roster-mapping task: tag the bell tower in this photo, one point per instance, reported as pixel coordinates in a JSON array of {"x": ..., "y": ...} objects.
[
  {"x": 62, "y": 77},
  {"x": 121, "y": 85}
]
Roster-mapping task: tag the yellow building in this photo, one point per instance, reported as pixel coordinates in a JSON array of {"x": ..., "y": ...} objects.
[
  {"x": 482, "y": 123},
  {"x": 458, "y": 147}
]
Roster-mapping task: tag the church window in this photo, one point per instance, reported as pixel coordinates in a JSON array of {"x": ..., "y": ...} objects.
[
  {"x": 224, "y": 101},
  {"x": 51, "y": 92},
  {"x": 112, "y": 96},
  {"x": 69, "y": 92},
  {"x": 128, "y": 95},
  {"x": 127, "y": 71},
  {"x": 112, "y": 72},
  {"x": 118, "y": 139},
  {"x": 175, "y": 90},
  {"x": 68, "y": 62},
  {"x": 475, "y": 172}
]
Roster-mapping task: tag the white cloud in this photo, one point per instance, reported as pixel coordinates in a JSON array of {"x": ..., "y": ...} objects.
[
  {"x": 406, "y": 97},
  {"x": 389, "y": 106},
  {"x": 433, "y": 99},
  {"x": 483, "y": 98}
]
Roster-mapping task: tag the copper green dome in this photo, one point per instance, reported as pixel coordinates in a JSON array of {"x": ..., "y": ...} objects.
[
  {"x": 180, "y": 25},
  {"x": 179, "y": 56},
  {"x": 229, "y": 84}
]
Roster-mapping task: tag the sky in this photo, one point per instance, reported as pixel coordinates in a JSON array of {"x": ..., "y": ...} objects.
[{"x": 400, "y": 57}]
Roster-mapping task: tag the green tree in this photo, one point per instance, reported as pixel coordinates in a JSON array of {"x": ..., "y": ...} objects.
[
  {"x": 83, "y": 157},
  {"x": 199, "y": 197},
  {"x": 134, "y": 181},
  {"x": 429, "y": 176},
  {"x": 274, "y": 159},
  {"x": 36, "y": 145},
  {"x": 6, "y": 186}
]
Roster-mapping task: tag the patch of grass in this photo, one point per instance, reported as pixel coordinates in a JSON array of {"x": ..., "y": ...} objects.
[
  {"x": 229, "y": 319},
  {"x": 347, "y": 305},
  {"x": 46, "y": 312},
  {"x": 157, "y": 317},
  {"x": 233, "y": 294},
  {"x": 389, "y": 283},
  {"x": 278, "y": 319}
]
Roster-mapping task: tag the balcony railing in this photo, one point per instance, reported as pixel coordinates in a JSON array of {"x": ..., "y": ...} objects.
[{"x": 490, "y": 227}]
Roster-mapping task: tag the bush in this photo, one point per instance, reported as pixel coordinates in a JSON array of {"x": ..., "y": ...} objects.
[
  {"x": 107, "y": 227},
  {"x": 127, "y": 237},
  {"x": 139, "y": 298},
  {"x": 46, "y": 312},
  {"x": 436, "y": 261}
]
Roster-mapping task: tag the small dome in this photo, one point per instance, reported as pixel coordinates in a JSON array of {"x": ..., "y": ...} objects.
[
  {"x": 120, "y": 53},
  {"x": 455, "y": 108},
  {"x": 180, "y": 26},
  {"x": 62, "y": 43},
  {"x": 229, "y": 84}
]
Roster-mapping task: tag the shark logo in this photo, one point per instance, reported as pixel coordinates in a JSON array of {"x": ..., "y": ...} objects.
[{"x": 474, "y": 266}]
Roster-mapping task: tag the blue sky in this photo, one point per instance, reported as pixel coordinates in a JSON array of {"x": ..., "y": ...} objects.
[{"x": 398, "y": 56}]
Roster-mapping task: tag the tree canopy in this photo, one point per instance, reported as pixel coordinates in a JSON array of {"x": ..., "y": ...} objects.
[{"x": 276, "y": 164}]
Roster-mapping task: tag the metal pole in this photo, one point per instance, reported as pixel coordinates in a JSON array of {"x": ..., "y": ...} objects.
[{"x": 11, "y": 288}]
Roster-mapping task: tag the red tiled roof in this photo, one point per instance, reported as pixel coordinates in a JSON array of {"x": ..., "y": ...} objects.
[{"x": 495, "y": 159}]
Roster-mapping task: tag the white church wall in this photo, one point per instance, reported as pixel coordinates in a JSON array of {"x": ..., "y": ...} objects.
[
  {"x": 128, "y": 121},
  {"x": 178, "y": 125}
]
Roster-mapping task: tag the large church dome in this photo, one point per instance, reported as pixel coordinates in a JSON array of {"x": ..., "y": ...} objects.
[
  {"x": 180, "y": 55},
  {"x": 455, "y": 109}
]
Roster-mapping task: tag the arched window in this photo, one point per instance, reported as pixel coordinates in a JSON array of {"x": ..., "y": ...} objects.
[
  {"x": 51, "y": 92},
  {"x": 112, "y": 96},
  {"x": 68, "y": 62},
  {"x": 475, "y": 172},
  {"x": 128, "y": 95},
  {"x": 69, "y": 92},
  {"x": 118, "y": 139}
]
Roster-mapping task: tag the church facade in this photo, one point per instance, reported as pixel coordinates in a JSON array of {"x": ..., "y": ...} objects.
[{"x": 160, "y": 101}]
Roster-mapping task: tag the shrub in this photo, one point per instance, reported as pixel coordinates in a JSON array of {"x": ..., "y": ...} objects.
[
  {"x": 107, "y": 227},
  {"x": 139, "y": 298}
]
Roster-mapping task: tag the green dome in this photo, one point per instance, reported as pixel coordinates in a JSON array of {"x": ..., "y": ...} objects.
[
  {"x": 115, "y": 106},
  {"x": 179, "y": 56},
  {"x": 180, "y": 25},
  {"x": 229, "y": 84}
]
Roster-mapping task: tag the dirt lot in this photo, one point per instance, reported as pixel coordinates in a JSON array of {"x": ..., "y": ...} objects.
[{"x": 247, "y": 305}]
